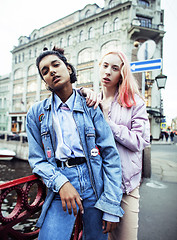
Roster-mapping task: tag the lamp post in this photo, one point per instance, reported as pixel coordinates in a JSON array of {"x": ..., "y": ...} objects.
[{"x": 161, "y": 80}]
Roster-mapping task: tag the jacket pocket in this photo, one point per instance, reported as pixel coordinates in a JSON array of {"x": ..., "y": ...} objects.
[{"x": 46, "y": 141}]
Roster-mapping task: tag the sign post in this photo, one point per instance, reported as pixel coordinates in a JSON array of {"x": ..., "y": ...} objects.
[
  {"x": 143, "y": 66},
  {"x": 146, "y": 65}
]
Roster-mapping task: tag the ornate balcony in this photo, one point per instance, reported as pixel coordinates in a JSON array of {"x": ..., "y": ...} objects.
[{"x": 145, "y": 28}]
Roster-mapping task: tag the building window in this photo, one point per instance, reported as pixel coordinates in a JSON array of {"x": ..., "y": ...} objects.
[
  {"x": 19, "y": 58},
  {"x": 85, "y": 76},
  {"x": 61, "y": 42},
  {"x": 31, "y": 86},
  {"x": 51, "y": 46},
  {"x": 15, "y": 59},
  {"x": 112, "y": 3},
  {"x": 86, "y": 55},
  {"x": 18, "y": 74},
  {"x": 105, "y": 28},
  {"x": 143, "y": 3},
  {"x": 32, "y": 70},
  {"x": 30, "y": 54},
  {"x": 91, "y": 33},
  {"x": 34, "y": 36},
  {"x": 23, "y": 57},
  {"x": 88, "y": 13},
  {"x": 35, "y": 52},
  {"x": 81, "y": 36},
  {"x": 69, "y": 42},
  {"x": 116, "y": 24},
  {"x": 145, "y": 22}
]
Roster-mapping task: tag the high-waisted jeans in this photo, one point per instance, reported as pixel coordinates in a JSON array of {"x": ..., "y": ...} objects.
[{"x": 58, "y": 225}]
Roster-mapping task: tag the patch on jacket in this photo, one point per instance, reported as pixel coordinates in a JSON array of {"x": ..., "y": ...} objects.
[
  {"x": 95, "y": 151},
  {"x": 41, "y": 117}
]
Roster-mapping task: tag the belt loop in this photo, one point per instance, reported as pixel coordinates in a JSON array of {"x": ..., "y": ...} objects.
[{"x": 62, "y": 165}]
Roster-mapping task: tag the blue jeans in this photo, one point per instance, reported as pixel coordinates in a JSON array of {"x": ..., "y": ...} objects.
[{"x": 58, "y": 225}]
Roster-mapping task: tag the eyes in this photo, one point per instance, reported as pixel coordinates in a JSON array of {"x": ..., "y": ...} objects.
[
  {"x": 45, "y": 69},
  {"x": 115, "y": 68}
]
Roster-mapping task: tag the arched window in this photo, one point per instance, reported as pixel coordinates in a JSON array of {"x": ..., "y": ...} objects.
[
  {"x": 88, "y": 13},
  {"x": 86, "y": 55},
  {"x": 81, "y": 36},
  {"x": 105, "y": 28},
  {"x": 32, "y": 70},
  {"x": 18, "y": 74},
  {"x": 116, "y": 24},
  {"x": 69, "y": 42},
  {"x": 112, "y": 3},
  {"x": 113, "y": 45},
  {"x": 91, "y": 33}
]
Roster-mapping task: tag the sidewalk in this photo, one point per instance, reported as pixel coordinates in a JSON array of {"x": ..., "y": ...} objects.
[
  {"x": 160, "y": 142},
  {"x": 158, "y": 208},
  {"x": 164, "y": 165}
]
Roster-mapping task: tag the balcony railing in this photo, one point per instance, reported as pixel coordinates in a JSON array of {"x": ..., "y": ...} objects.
[
  {"x": 144, "y": 27},
  {"x": 21, "y": 201}
]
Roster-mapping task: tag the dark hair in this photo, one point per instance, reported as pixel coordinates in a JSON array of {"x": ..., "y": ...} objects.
[{"x": 59, "y": 52}]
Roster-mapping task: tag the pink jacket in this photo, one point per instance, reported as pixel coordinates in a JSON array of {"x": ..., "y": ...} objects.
[{"x": 130, "y": 127}]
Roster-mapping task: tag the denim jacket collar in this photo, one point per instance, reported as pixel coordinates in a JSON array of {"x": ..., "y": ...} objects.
[{"x": 78, "y": 105}]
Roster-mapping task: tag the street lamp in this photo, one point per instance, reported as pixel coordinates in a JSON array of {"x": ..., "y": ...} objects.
[{"x": 161, "y": 80}]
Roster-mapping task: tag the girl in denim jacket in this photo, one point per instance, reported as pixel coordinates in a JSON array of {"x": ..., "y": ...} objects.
[{"x": 72, "y": 148}]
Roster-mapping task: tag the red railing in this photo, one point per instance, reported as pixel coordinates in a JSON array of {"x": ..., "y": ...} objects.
[
  {"x": 26, "y": 204},
  {"x": 20, "y": 192}
]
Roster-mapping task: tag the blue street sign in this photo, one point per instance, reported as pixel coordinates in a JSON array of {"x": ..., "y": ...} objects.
[{"x": 147, "y": 65}]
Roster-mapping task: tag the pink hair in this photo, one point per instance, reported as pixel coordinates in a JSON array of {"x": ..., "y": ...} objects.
[{"x": 128, "y": 86}]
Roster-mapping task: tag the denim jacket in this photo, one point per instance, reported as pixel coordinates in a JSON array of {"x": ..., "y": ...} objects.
[{"x": 94, "y": 132}]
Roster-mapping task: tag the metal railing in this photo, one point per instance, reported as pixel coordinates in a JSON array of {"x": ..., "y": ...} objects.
[{"x": 20, "y": 199}]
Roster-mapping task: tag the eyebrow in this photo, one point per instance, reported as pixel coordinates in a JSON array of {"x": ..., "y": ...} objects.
[
  {"x": 51, "y": 63},
  {"x": 115, "y": 65}
]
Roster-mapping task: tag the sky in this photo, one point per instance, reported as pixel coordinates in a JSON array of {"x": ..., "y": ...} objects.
[{"x": 21, "y": 17}]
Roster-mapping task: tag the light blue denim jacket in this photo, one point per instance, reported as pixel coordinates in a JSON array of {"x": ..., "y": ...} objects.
[{"x": 94, "y": 132}]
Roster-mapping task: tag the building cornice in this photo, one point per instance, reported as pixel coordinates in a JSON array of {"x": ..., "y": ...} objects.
[{"x": 77, "y": 24}]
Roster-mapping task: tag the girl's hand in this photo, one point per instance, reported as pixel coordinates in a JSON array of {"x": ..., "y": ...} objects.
[
  {"x": 69, "y": 197},
  {"x": 92, "y": 98},
  {"x": 109, "y": 226}
]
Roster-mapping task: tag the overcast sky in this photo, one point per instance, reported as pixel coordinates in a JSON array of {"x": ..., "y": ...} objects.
[{"x": 21, "y": 17}]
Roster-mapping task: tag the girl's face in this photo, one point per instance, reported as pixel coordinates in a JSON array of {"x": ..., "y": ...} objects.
[
  {"x": 54, "y": 72},
  {"x": 110, "y": 70}
]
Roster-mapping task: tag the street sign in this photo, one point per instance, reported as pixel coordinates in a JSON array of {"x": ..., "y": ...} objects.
[{"x": 147, "y": 65}]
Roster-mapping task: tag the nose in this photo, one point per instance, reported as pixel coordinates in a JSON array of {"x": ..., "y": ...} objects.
[
  {"x": 52, "y": 72},
  {"x": 108, "y": 71}
]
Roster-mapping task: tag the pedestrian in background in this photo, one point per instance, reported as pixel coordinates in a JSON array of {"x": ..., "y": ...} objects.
[
  {"x": 166, "y": 136},
  {"x": 72, "y": 148},
  {"x": 125, "y": 111},
  {"x": 171, "y": 136}
]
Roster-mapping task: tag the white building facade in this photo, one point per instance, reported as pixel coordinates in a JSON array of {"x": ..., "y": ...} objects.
[{"x": 85, "y": 36}]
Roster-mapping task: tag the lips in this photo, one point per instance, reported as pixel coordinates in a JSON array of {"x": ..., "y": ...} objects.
[
  {"x": 106, "y": 80},
  {"x": 56, "y": 79}
]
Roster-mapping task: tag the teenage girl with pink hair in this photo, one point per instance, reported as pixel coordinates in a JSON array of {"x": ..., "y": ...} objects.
[{"x": 125, "y": 111}]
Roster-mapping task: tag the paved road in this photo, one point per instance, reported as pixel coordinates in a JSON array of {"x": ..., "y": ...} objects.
[{"x": 158, "y": 202}]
